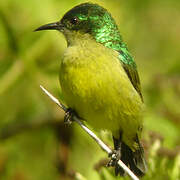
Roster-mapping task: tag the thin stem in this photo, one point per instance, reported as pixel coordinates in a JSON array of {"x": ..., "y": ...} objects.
[{"x": 99, "y": 141}]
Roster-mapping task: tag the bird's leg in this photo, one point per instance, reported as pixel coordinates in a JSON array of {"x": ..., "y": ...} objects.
[
  {"x": 116, "y": 153},
  {"x": 68, "y": 118},
  {"x": 115, "y": 157}
]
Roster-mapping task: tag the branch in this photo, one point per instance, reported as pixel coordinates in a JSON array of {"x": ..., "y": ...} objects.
[{"x": 99, "y": 141}]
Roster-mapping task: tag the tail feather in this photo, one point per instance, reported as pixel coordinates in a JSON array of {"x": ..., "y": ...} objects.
[{"x": 134, "y": 160}]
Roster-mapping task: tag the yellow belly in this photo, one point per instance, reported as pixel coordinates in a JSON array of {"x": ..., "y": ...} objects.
[{"x": 96, "y": 86}]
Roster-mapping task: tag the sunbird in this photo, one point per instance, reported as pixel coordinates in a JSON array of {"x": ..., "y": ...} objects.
[{"x": 100, "y": 82}]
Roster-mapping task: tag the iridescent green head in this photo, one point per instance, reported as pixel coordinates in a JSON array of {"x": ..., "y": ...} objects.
[
  {"x": 92, "y": 19},
  {"x": 88, "y": 18}
]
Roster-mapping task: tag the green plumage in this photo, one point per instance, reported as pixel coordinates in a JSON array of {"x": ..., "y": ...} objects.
[{"x": 99, "y": 80}]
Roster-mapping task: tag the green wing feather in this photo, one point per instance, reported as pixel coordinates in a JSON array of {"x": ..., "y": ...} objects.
[
  {"x": 134, "y": 77},
  {"x": 130, "y": 68}
]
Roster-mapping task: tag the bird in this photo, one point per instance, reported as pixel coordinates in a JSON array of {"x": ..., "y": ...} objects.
[{"x": 100, "y": 82}]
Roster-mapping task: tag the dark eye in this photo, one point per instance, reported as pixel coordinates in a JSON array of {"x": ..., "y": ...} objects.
[{"x": 74, "y": 20}]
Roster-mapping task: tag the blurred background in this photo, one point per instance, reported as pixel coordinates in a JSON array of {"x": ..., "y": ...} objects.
[{"x": 34, "y": 142}]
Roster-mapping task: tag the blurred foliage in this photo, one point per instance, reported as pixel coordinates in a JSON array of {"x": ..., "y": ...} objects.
[{"x": 34, "y": 143}]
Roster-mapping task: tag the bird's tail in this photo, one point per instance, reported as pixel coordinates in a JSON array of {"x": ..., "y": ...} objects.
[{"x": 133, "y": 159}]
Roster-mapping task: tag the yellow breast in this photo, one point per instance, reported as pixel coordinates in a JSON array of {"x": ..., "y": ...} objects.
[{"x": 96, "y": 86}]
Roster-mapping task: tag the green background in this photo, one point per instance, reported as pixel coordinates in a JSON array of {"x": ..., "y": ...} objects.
[{"x": 34, "y": 142}]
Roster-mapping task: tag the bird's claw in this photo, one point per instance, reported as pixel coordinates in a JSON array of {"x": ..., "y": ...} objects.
[
  {"x": 68, "y": 118},
  {"x": 115, "y": 156}
]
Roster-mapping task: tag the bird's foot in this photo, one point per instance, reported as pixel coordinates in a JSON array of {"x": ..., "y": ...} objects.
[
  {"x": 115, "y": 157},
  {"x": 68, "y": 118}
]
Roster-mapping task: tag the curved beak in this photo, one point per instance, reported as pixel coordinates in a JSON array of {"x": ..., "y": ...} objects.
[{"x": 50, "y": 26}]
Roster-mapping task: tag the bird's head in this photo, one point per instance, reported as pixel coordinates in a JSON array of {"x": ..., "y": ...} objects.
[{"x": 86, "y": 18}]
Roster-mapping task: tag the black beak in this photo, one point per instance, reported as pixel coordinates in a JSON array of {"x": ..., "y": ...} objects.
[{"x": 50, "y": 26}]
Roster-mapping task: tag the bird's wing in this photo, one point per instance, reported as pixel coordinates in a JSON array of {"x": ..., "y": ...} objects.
[
  {"x": 131, "y": 70},
  {"x": 134, "y": 77}
]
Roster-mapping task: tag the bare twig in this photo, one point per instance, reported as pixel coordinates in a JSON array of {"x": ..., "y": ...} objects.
[{"x": 99, "y": 141}]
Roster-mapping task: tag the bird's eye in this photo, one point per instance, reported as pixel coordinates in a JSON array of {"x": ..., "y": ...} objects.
[{"x": 74, "y": 20}]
